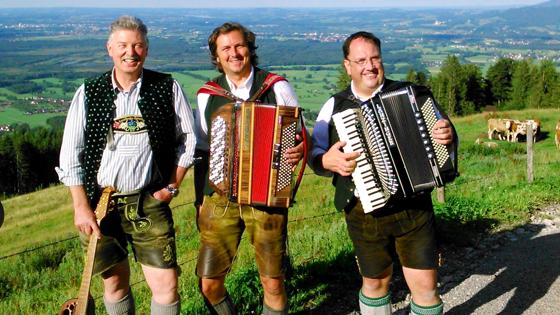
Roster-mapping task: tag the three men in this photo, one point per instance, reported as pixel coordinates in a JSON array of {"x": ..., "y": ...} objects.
[
  {"x": 222, "y": 222},
  {"x": 408, "y": 224},
  {"x": 130, "y": 129}
]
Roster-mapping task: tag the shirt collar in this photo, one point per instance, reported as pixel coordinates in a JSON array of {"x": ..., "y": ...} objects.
[
  {"x": 116, "y": 86},
  {"x": 245, "y": 85},
  {"x": 372, "y": 94}
]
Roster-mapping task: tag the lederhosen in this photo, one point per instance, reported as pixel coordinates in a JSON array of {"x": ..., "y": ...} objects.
[
  {"x": 370, "y": 233},
  {"x": 222, "y": 222}
]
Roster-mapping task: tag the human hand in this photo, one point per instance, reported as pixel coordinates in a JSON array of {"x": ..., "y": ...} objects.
[
  {"x": 442, "y": 132},
  {"x": 293, "y": 155},
  {"x": 339, "y": 162},
  {"x": 163, "y": 195},
  {"x": 85, "y": 220}
]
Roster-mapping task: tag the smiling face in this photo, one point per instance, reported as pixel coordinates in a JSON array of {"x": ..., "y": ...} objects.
[
  {"x": 128, "y": 49},
  {"x": 364, "y": 65},
  {"x": 233, "y": 55}
]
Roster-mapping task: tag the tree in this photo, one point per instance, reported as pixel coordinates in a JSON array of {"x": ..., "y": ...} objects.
[
  {"x": 448, "y": 87},
  {"x": 521, "y": 84},
  {"x": 415, "y": 77},
  {"x": 475, "y": 97},
  {"x": 343, "y": 80},
  {"x": 499, "y": 77}
]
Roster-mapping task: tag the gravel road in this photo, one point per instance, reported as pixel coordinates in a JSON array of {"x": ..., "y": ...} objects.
[{"x": 510, "y": 272}]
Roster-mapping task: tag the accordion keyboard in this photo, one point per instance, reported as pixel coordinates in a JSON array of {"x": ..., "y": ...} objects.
[{"x": 370, "y": 193}]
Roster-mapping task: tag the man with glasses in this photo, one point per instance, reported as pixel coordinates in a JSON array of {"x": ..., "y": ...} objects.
[{"x": 405, "y": 226}]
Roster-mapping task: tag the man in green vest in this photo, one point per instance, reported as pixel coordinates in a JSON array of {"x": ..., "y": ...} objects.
[
  {"x": 406, "y": 225},
  {"x": 221, "y": 222},
  {"x": 130, "y": 129}
]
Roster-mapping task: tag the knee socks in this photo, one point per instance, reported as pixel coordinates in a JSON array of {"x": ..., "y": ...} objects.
[
  {"x": 375, "y": 306},
  {"x": 225, "y": 306},
  {"x": 124, "y": 306},
  {"x": 165, "y": 309},
  {"x": 269, "y": 311},
  {"x": 426, "y": 310}
]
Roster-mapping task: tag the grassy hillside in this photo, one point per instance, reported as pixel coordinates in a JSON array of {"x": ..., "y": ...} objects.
[{"x": 40, "y": 258}]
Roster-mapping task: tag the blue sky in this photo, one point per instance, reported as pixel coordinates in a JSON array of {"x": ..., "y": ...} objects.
[{"x": 263, "y": 3}]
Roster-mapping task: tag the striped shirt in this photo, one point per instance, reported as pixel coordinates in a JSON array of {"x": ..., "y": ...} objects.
[{"x": 127, "y": 162}]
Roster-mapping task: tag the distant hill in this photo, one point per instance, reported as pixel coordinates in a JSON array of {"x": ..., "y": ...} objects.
[
  {"x": 547, "y": 4},
  {"x": 543, "y": 14}
]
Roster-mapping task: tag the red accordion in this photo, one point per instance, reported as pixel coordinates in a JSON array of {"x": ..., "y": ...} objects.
[{"x": 248, "y": 142}]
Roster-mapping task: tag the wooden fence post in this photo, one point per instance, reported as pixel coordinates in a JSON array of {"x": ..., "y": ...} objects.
[
  {"x": 529, "y": 152},
  {"x": 440, "y": 194}
]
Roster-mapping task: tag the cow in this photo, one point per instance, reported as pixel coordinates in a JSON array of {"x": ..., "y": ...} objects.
[
  {"x": 557, "y": 135},
  {"x": 518, "y": 128},
  {"x": 499, "y": 127}
]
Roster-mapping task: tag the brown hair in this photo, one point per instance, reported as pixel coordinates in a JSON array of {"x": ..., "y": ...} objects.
[
  {"x": 228, "y": 27},
  {"x": 365, "y": 35}
]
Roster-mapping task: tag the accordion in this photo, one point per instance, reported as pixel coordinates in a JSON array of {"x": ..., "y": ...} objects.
[
  {"x": 399, "y": 157},
  {"x": 248, "y": 142}
]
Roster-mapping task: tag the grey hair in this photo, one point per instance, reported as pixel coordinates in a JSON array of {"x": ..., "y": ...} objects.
[{"x": 127, "y": 22}]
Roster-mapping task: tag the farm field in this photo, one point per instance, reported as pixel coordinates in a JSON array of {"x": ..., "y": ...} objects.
[{"x": 40, "y": 258}]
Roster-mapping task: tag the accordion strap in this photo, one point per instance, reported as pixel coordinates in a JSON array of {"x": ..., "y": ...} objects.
[
  {"x": 302, "y": 169},
  {"x": 269, "y": 81},
  {"x": 215, "y": 89}
]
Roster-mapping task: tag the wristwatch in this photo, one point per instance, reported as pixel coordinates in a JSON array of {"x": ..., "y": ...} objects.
[{"x": 172, "y": 190}]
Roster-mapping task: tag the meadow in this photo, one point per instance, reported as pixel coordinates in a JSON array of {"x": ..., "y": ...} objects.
[{"x": 41, "y": 259}]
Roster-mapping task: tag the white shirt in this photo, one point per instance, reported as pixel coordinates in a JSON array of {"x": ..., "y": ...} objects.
[
  {"x": 283, "y": 91},
  {"x": 126, "y": 165}
]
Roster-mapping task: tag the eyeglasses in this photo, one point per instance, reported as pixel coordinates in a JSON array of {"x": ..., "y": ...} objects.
[{"x": 363, "y": 62}]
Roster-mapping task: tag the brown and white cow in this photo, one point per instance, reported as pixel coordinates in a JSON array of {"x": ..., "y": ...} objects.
[
  {"x": 518, "y": 128},
  {"x": 500, "y": 128}
]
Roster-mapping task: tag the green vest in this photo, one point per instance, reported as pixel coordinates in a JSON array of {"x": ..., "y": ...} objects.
[
  {"x": 156, "y": 106},
  {"x": 215, "y": 102}
]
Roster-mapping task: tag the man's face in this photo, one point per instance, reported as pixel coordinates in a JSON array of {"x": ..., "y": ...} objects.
[
  {"x": 233, "y": 54},
  {"x": 364, "y": 65},
  {"x": 129, "y": 50}
]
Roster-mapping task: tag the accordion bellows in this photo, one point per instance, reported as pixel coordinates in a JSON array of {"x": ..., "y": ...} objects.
[
  {"x": 248, "y": 142},
  {"x": 399, "y": 156}
]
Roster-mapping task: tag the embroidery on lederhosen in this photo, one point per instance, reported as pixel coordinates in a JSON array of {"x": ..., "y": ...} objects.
[
  {"x": 129, "y": 124},
  {"x": 169, "y": 251},
  {"x": 132, "y": 212}
]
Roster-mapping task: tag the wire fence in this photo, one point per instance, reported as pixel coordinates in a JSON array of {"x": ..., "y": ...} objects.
[{"x": 452, "y": 185}]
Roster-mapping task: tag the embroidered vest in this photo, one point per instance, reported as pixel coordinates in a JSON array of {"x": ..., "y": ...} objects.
[
  {"x": 215, "y": 102},
  {"x": 156, "y": 105}
]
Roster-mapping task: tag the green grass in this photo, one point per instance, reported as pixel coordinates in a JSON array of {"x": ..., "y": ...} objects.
[
  {"x": 10, "y": 115},
  {"x": 491, "y": 195}
]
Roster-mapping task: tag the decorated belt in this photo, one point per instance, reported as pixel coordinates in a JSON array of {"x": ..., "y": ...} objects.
[{"x": 129, "y": 124}]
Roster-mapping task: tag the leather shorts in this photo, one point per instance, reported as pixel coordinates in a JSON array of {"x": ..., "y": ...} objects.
[
  {"x": 221, "y": 224},
  {"x": 144, "y": 222}
]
